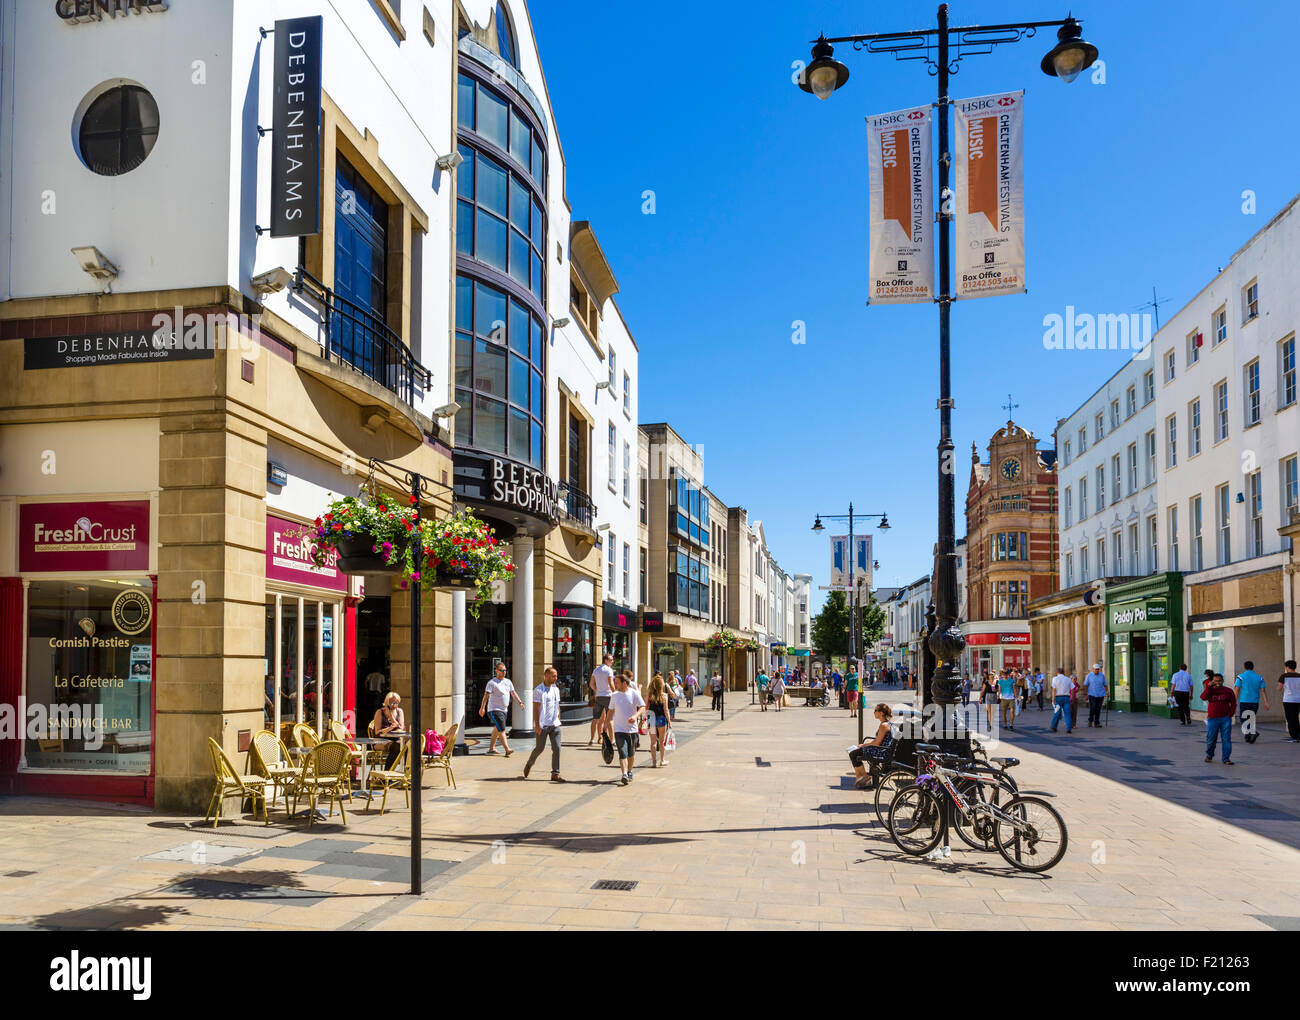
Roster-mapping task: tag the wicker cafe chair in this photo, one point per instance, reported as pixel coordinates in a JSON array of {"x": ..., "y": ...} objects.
[
  {"x": 396, "y": 778},
  {"x": 269, "y": 758},
  {"x": 340, "y": 732},
  {"x": 230, "y": 783},
  {"x": 304, "y": 735},
  {"x": 443, "y": 759},
  {"x": 325, "y": 770}
]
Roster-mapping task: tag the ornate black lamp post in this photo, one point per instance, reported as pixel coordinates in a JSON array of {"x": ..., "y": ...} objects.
[
  {"x": 824, "y": 75},
  {"x": 853, "y": 614}
]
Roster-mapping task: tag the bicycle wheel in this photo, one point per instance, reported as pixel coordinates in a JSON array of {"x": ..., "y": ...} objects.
[
  {"x": 887, "y": 786},
  {"x": 1035, "y": 838},
  {"x": 976, "y": 828},
  {"x": 915, "y": 820}
]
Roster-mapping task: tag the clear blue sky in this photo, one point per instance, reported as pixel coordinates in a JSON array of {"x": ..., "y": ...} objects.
[{"x": 761, "y": 220}]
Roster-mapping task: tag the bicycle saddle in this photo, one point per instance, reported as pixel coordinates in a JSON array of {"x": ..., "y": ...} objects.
[
  {"x": 1006, "y": 763},
  {"x": 927, "y": 747}
]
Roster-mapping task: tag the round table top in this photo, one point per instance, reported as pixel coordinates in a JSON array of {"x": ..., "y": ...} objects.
[
  {"x": 299, "y": 750},
  {"x": 368, "y": 741}
]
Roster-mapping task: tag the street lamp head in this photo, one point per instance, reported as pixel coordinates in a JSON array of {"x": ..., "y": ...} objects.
[
  {"x": 825, "y": 74},
  {"x": 817, "y": 524},
  {"x": 884, "y": 522},
  {"x": 1071, "y": 55}
]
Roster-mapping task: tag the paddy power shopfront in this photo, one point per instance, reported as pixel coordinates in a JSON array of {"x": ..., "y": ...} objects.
[{"x": 1144, "y": 643}]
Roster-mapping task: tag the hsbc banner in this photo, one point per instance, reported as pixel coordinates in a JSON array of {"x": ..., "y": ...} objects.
[
  {"x": 990, "y": 195},
  {"x": 901, "y": 252}
]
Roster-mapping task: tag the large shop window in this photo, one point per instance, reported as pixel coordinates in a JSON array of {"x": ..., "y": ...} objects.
[
  {"x": 689, "y": 510},
  {"x": 688, "y": 582},
  {"x": 89, "y": 676},
  {"x": 573, "y": 662},
  {"x": 360, "y": 269},
  {"x": 299, "y": 663},
  {"x": 500, "y": 358}
]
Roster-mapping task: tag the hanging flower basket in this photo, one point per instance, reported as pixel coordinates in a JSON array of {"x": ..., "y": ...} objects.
[
  {"x": 722, "y": 639},
  {"x": 749, "y": 646},
  {"x": 778, "y": 649},
  {"x": 372, "y": 535},
  {"x": 460, "y": 553}
]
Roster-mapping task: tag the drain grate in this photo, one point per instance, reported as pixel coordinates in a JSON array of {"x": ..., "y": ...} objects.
[
  {"x": 615, "y": 885},
  {"x": 18, "y": 874}
]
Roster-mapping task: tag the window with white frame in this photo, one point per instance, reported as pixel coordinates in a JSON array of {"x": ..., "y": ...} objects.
[
  {"x": 1223, "y": 521},
  {"x": 613, "y": 560},
  {"x": 1132, "y": 468},
  {"x": 1290, "y": 483},
  {"x": 1286, "y": 388},
  {"x": 1101, "y": 489},
  {"x": 1151, "y": 456},
  {"x": 1255, "y": 509},
  {"x": 1250, "y": 301},
  {"x": 1221, "y": 411},
  {"x": 1251, "y": 393},
  {"x": 1099, "y": 426},
  {"x": 1130, "y": 402},
  {"x": 1083, "y": 498},
  {"x": 1083, "y": 438},
  {"x": 1068, "y": 508},
  {"x": 1194, "y": 428},
  {"x": 627, "y": 472},
  {"x": 1114, "y": 415},
  {"x": 1101, "y": 557},
  {"x": 613, "y": 458},
  {"x": 627, "y": 393},
  {"x": 1067, "y": 453},
  {"x": 1153, "y": 545},
  {"x": 1117, "y": 547},
  {"x": 1219, "y": 325},
  {"x": 645, "y": 576},
  {"x": 1171, "y": 441},
  {"x": 1149, "y": 387},
  {"x": 1193, "y": 347},
  {"x": 1134, "y": 550},
  {"x": 1173, "y": 538},
  {"x": 1117, "y": 489},
  {"x": 1197, "y": 518},
  {"x": 1169, "y": 365},
  {"x": 627, "y": 571},
  {"x": 1083, "y": 562},
  {"x": 1069, "y": 570},
  {"x": 613, "y": 372}
]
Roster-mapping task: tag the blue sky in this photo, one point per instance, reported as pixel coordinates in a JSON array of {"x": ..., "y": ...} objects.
[{"x": 761, "y": 220}]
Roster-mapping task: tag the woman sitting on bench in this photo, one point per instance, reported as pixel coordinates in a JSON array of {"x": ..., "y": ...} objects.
[{"x": 879, "y": 749}]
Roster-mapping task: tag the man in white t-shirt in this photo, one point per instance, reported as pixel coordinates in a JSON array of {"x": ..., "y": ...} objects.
[
  {"x": 546, "y": 703},
  {"x": 1062, "y": 685},
  {"x": 626, "y": 706},
  {"x": 496, "y": 702},
  {"x": 1182, "y": 681},
  {"x": 602, "y": 685},
  {"x": 1289, "y": 684}
]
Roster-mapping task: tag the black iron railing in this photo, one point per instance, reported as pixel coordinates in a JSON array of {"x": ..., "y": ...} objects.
[
  {"x": 363, "y": 341},
  {"x": 577, "y": 505}
]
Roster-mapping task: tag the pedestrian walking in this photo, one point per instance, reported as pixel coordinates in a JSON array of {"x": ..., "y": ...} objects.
[
  {"x": 626, "y": 709},
  {"x": 691, "y": 686},
  {"x": 1220, "y": 707},
  {"x": 546, "y": 703},
  {"x": 496, "y": 700},
  {"x": 657, "y": 708},
  {"x": 867, "y": 756},
  {"x": 1074, "y": 697},
  {"x": 965, "y": 688},
  {"x": 602, "y": 680},
  {"x": 1026, "y": 681},
  {"x": 837, "y": 681},
  {"x": 1041, "y": 685},
  {"x": 715, "y": 685},
  {"x": 777, "y": 690},
  {"x": 1249, "y": 686},
  {"x": 1182, "y": 681},
  {"x": 1095, "y": 687},
  {"x": 989, "y": 695},
  {"x": 1061, "y": 686},
  {"x": 1289, "y": 686},
  {"x": 1007, "y": 698},
  {"x": 761, "y": 683}
]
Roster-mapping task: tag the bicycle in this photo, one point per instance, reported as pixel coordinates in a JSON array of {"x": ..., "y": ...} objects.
[
  {"x": 896, "y": 776},
  {"x": 1028, "y": 832}
]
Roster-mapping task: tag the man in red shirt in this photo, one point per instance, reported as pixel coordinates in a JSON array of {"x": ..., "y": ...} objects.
[{"x": 1220, "y": 707}]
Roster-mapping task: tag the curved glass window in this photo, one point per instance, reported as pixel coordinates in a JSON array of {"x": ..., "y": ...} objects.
[
  {"x": 507, "y": 46},
  {"x": 499, "y": 364},
  {"x": 118, "y": 130},
  {"x": 498, "y": 221}
]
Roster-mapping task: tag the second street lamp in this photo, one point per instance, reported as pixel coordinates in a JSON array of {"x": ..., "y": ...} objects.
[{"x": 935, "y": 46}]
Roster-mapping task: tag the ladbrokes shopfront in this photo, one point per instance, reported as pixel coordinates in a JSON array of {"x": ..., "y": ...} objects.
[{"x": 78, "y": 625}]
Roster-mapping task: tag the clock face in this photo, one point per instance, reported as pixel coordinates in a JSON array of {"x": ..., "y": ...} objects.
[{"x": 1011, "y": 469}]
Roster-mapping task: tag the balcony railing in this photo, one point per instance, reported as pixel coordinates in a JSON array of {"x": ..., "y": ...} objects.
[
  {"x": 577, "y": 505},
  {"x": 364, "y": 342}
]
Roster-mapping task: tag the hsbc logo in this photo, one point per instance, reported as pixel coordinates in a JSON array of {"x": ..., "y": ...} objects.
[
  {"x": 916, "y": 115},
  {"x": 1006, "y": 101}
]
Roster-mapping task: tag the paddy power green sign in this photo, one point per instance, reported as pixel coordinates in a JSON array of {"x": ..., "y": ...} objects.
[{"x": 1139, "y": 615}]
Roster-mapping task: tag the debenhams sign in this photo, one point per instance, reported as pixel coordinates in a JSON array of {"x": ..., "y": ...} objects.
[{"x": 74, "y": 12}]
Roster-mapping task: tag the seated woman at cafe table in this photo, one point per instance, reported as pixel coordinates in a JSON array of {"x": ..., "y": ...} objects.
[
  {"x": 870, "y": 754},
  {"x": 389, "y": 719}
]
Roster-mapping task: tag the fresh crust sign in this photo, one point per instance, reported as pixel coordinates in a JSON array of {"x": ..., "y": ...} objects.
[
  {"x": 901, "y": 250},
  {"x": 990, "y": 214}
]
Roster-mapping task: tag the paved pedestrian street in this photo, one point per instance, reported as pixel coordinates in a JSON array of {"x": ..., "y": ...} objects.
[{"x": 754, "y": 824}]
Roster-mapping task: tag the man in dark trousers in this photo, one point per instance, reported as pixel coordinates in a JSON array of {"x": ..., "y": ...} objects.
[
  {"x": 1220, "y": 707},
  {"x": 1183, "y": 695}
]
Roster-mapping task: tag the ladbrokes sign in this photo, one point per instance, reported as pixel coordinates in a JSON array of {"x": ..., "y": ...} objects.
[{"x": 108, "y": 535}]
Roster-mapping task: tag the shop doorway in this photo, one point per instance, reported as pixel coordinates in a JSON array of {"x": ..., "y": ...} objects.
[
  {"x": 1141, "y": 672},
  {"x": 487, "y": 642},
  {"x": 374, "y": 675}
]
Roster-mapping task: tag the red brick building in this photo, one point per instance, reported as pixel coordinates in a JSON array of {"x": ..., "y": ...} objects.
[{"x": 1010, "y": 548}]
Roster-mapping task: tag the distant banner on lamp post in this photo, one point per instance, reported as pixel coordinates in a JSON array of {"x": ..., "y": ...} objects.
[
  {"x": 990, "y": 195},
  {"x": 900, "y": 264}
]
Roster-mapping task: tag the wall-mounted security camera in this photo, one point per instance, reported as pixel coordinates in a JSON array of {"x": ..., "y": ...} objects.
[
  {"x": 446, "y": 410},
  {"x": 96, "y": 264},
  {"x": 272, "y": 280},
  {"x": 561, "y": 322},
  {"x": 449, "y": 162}
]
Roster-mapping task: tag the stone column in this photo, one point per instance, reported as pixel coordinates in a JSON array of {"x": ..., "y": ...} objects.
[
  {"x": 522, "y": 636},
  {"x": 458, "y": 668}
]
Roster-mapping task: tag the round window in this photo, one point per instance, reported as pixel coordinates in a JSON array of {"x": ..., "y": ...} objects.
[{"x": 117, "y": 130}]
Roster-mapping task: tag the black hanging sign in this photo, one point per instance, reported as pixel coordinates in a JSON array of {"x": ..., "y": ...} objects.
[{"x": 295, "y": 128}]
